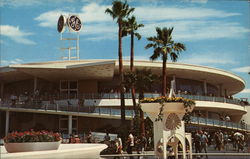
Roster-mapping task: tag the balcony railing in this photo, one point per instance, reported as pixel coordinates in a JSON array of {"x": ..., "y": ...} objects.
[
  {"x": 81, "y": 97},
  {"x": 95, "y": 110},
  {"x": 212, "y": 98},
  {"x": 219, "y": 123}
]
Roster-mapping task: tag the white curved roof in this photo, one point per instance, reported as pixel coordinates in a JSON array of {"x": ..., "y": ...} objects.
[{"x": 105, "y": 69}]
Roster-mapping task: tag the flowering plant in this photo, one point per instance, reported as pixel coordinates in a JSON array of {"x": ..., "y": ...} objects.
[
  {"x": 164, "y": 99},
  {"x": 188, "y": 103},
  {"x": 32, "y": 136}
]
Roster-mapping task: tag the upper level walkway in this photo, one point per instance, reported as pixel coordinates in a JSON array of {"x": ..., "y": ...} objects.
[
  {"x": 112, "y": 113},
  {"x": 50, "y": 97}
]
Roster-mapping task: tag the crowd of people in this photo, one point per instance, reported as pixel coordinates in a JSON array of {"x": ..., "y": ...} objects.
[
  {"x": 221, "y": 141},
  {"x": 132, "y": 144}
]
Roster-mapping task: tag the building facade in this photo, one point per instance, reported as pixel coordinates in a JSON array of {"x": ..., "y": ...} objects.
[{"x": 78, "y": 96}]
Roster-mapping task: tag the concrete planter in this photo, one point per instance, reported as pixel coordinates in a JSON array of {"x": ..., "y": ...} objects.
[
  {"x": 153, "y": 109},
  {"x": 65, "y": 151},
  {"x": 31, "y": 146}
]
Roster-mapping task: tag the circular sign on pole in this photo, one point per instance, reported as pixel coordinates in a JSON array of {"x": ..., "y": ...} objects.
[
  {"x": 61, "y": 24},
  {"x": 74, "y": 23}
]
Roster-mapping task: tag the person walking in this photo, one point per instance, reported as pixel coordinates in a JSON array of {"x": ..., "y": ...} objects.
[
  {"x": 143, "y": 143},
  {"x": 89, "y": 137},
  {"x": 197, "y": 142},
  {"x": 221, "y": 140},
  {"x": 204, "y": 141},
  {"x": 130, "y": 144},
  {"x": 118, "y": 144}
]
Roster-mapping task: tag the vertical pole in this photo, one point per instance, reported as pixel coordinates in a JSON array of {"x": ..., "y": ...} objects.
[
  {"x": 70, "y": 125},
  {"x": 205, "y": 87},
  {"x": 7, "y": 122},
  {"x": 2, "y": 89},
  {"x": 78, "y": 46},
  {"x": 69, "y": 53},
  {"x": 35, "y": 85}
]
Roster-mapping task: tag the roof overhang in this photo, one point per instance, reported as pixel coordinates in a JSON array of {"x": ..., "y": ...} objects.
[
  {"x": 226, "y": 80},
  {"x": 61, "y": 70}
]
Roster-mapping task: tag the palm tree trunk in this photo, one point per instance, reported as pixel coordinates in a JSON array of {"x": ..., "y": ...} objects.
[
  {"x": 121, "y": 72},
  {"x": 164, "y": 77},
  {"x": 132, "y": 70},
  {"x": 142, "y": 126},
  {"x": 132, "y": 53}
]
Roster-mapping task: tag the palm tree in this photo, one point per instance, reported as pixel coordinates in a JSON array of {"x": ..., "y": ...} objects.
[
  {"x": 144, "y": 80},
  {"x": 119, "y": 11},
  {"x": 130, "y": 27},
  {"x": 141, "y": 80},
  {"x": 164, "y": 46}
]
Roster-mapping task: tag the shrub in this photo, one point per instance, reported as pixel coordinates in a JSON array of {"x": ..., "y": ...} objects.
[{"x": 32, "y": 136}]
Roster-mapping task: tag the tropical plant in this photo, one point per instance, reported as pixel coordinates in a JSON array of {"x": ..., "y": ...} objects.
[
  {"x": 119, "y": 11},
  {"x": 32, "y": 136},
  {"x": 130, "y": 28},
  {"x": 141, "y": 80},
  {"x": 164, "y": 46}
]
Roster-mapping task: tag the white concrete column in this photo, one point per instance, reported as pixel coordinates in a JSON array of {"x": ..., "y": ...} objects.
[
  {"x": 70, "y": 124},
  {"x": 219, "y": 89},
  {"x": 205, "y": 87},
  {"x": 206, "y": 114},
  {"x": 35, "y": 85},
  {"x": 225, "y": 93},
  {"x": 7, "y": 122}
]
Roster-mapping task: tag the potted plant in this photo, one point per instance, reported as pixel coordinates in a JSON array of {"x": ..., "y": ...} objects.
[{"x": 31, "y": 141}]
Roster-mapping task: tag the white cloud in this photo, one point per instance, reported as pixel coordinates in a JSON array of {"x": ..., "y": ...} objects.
[
  {"x": 193, "y": 30},
  {"x": 246, "y": 90},
  {"x": 16, "y": 34},
  {"x": 197, "y": 1},
  {"x": 49, "y": 19},
  {"x": 91, "y": 13},
  {"x": 242, "y": 69},
  {"x": 28, "y": 3},
  {"x": 208, "y": 58},
  {"x": 94, "y": 12},
  {"x": 158, "y": 13},
  {"x": 19, "y": 3},
  {"x": 191, "y": 24},
  {"x": 10, "y": 62}
]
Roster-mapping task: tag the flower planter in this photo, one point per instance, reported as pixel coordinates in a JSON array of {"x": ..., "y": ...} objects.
[
  {"x": 153, "y": 109},
  {"x": 31, "y": 146}
]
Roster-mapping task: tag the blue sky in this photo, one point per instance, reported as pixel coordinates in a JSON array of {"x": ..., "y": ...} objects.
[{"x": 216, "y": 33}]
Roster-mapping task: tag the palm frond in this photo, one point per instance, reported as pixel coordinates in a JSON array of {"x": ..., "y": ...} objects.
[
  {"x": 138, "y": 36},
  {"x": 173, "y": 56},
  {"x": 179, "y": 47},
  {"x": 156, "y": 54},
  {"x": 150, "y": 45},
  {"x": 110, "y": 12}
]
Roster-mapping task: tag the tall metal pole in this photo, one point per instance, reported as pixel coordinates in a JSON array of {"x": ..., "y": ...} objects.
[{"x": 78, "y": 46}]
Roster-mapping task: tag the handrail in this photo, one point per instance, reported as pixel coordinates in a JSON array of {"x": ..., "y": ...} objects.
[
  {"x": 128, "y": 96},
  {"x": 219, "y": 123},
  {"x": 116, "y": 112}
]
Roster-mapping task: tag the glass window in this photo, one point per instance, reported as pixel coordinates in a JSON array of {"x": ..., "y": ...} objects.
[
  {"x": 72, "y": 84},
  {"x": 64, "y": 84}
]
